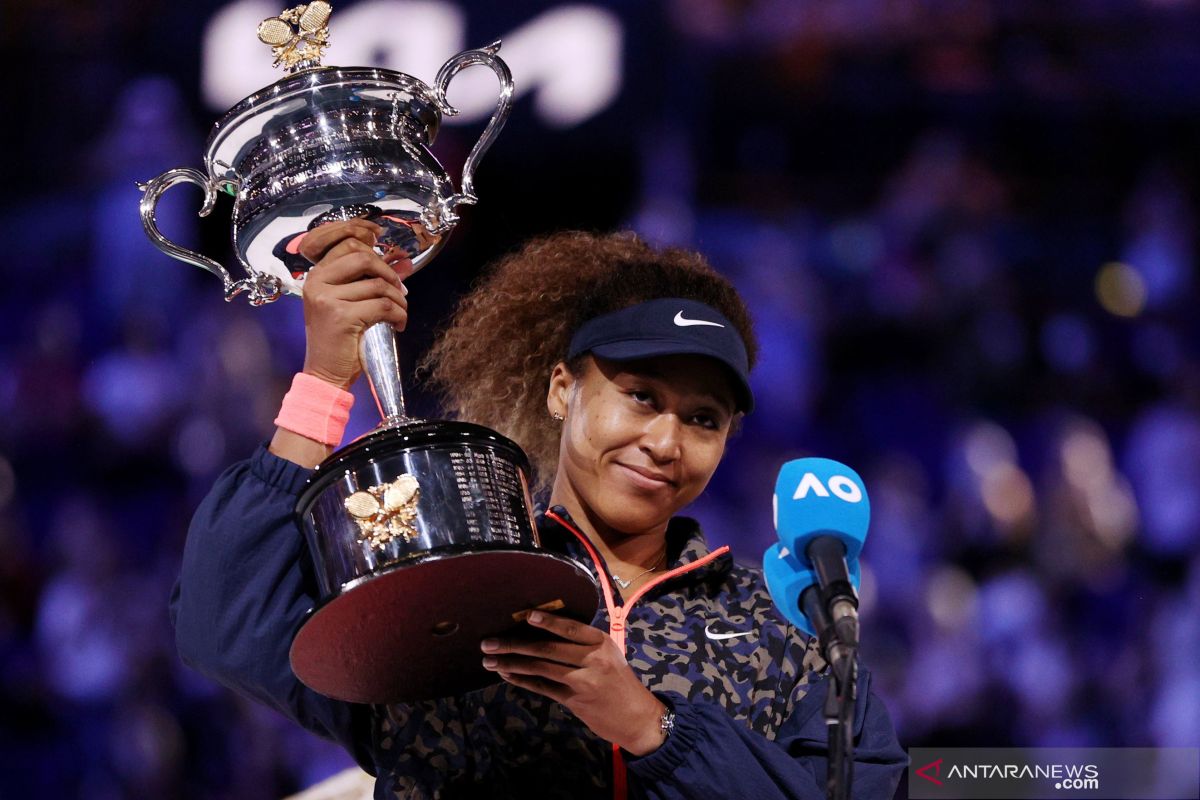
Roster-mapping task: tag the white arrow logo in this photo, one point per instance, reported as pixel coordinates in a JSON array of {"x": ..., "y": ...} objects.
[{"x": 683, "y": 321}]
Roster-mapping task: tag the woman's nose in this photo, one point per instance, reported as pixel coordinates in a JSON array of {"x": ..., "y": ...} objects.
[{"x": 663, "y": 438}]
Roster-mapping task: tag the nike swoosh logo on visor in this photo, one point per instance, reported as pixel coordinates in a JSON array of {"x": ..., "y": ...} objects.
[
  {"x": 720, "y": 636},
  {"x": 684, "y": 322}
]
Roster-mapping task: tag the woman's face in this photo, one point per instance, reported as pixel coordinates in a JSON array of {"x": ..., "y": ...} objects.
[{"x": 641, "y": 438}]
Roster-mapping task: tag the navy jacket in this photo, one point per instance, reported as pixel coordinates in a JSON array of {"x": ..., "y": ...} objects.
[{"x": 748, "y": 708}]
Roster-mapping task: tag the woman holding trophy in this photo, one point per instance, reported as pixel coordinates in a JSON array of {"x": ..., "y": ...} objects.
[
  {"x": 622, "y": 371},
  {"x": 399, "y": 595}
]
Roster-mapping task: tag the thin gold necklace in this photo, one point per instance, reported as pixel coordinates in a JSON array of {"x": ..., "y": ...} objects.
[{"x": 625, "y": 584}]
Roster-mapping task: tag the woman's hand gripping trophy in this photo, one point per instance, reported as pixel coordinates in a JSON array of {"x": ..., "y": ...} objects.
[{"x": 349, "y": 289}]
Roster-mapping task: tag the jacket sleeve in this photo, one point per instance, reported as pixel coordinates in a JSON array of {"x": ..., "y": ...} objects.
[
  {"x": 710, "y": 754},
  {"x": 244, "y": 589}
]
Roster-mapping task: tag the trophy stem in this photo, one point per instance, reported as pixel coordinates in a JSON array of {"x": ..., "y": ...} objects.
[{"x": 380, "y": 354}]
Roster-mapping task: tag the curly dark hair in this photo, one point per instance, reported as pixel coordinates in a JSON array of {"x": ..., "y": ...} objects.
[{"x": 492, "y": 363}]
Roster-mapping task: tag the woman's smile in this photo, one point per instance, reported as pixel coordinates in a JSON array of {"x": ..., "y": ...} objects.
[{"x": 645, "y": 478}]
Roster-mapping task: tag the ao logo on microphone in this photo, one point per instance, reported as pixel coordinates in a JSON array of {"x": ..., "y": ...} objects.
[{"x": 841, "y": 486}]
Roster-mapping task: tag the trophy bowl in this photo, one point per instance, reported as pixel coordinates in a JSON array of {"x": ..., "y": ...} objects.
[
  {"x": 327, "y": 143},
  {"x": 351, "y": 139},
  {"x": 421, "y": 533}
]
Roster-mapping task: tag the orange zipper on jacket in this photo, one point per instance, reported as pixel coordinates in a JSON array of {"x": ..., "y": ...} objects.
[{"x": 617, "y": 616}]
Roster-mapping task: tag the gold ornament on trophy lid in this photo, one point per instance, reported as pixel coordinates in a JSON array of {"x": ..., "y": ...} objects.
[{"x": 299, "y": 36}]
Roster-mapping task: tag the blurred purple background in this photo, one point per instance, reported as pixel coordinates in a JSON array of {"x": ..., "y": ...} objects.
[{"x": 967, "y": 231}]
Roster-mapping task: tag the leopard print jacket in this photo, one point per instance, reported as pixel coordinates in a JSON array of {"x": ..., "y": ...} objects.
[{"x": 504, "y": 741}]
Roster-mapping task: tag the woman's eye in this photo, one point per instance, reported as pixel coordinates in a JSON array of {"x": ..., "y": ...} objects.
[{"x": 641, "y": 397}]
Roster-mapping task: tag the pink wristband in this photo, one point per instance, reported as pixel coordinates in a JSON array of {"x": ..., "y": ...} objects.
[{"x": 315, "y": 409}]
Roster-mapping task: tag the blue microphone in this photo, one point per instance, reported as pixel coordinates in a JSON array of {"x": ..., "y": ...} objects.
[{"x": 821, "y": 517}]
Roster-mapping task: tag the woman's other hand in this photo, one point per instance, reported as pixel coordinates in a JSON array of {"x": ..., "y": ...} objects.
[{"x": 584, "y": 670}]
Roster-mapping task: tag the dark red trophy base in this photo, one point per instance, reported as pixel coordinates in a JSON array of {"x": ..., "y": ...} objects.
[{"x": 413, "y": 633}]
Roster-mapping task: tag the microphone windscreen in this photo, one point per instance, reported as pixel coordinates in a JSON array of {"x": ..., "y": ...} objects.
[{"x": 820, "y": 497}]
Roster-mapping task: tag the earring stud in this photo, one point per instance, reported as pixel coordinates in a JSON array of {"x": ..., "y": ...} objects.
[{"x": 557, "y": 416}]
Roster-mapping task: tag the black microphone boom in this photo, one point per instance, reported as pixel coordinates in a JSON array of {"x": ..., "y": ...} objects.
[{"x": 828, "y": 557}]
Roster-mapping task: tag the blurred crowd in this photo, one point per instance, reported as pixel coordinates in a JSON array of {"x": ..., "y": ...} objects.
[{"x": 968, "y": 237}]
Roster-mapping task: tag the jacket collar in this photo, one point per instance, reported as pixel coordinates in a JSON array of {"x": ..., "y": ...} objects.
[{"x": 685, "y": 542}]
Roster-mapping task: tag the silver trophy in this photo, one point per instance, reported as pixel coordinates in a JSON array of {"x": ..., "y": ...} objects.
[{"x": 421, "y": 532}]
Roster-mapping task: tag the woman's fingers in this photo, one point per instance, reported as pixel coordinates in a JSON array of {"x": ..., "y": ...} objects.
[
  {"x": 344, "y": 248},
  {"x": 556, "y": 692},
  {"x": 547, "y": 688},
  {"x": 395, "y": 258},
  {"x": 355, "y": 264},
  {"x": 565, "y": 628},
  {"x": 381, "y": 309},
  {"x": 335, "y": 315},
  {"x": 550, "y": 649},
  {"x": 369, "y": 288},
  {"x": 317, "y": 243},
  {"x": 523, "y": 665}
]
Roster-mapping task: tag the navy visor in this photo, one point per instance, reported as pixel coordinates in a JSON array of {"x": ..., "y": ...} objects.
[{"x": 665, "y": 327}]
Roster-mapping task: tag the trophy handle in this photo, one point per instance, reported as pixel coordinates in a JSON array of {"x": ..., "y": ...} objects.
[
  {"x": 486, "y": 56},
  {"x": 261, "y": 288}
]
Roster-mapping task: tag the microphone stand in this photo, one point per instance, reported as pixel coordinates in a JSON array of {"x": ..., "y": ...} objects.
[
  {"x": 839, "y": 717},
  {"x": 839, "y": 645}
]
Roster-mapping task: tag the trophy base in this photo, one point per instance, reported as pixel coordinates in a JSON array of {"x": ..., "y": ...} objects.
[{"x": 413, "y": 633}]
